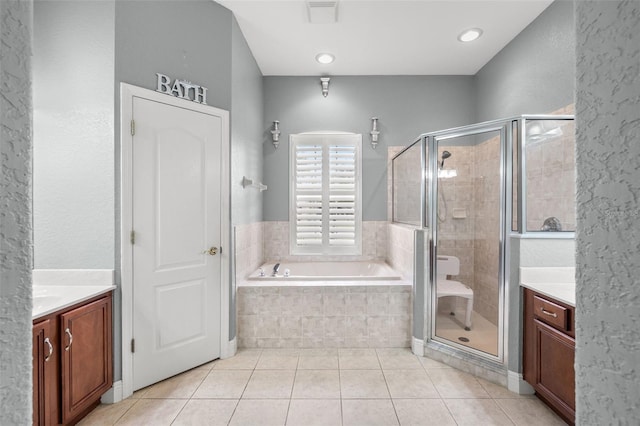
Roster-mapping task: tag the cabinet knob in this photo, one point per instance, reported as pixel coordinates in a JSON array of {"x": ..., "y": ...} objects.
[{"x": 68, "y": 333}]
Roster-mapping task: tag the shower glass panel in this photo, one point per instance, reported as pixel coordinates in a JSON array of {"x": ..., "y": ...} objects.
[
  {"x": 468, "y": 240},
  {"x": 407, "y": 185},
  {"x": 550, "y": 175}
]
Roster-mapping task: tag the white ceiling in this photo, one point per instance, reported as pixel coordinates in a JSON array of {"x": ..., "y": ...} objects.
[{"x": 381, "y": 37}]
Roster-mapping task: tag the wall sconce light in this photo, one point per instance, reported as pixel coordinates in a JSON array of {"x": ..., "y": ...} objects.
[
  {"x": 275, "y": 134},
  {"x": 374, "y": 132},
  {"x": 325, "y": 85}
]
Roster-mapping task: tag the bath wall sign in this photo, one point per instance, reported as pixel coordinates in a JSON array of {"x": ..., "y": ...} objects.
[{"x": 181, "y": 89}]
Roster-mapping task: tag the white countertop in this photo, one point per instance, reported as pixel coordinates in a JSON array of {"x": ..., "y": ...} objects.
[
  {"x": 48, "y": 299},
  {"x": 555, "y": 282}
]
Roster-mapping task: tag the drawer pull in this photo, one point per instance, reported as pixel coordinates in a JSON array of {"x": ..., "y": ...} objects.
[
  {"x": 70, "y": 339},
  {"x": 551, "y": 314},
  {"x": 48, "y": 342}
]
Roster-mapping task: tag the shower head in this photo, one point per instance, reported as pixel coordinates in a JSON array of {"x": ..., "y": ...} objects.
[{"x": 445, "y": 155}]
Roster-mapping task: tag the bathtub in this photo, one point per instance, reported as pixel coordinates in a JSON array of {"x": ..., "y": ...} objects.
[
  {"x": 327, "y": 271},
  {"x": 325, "y": 305}
]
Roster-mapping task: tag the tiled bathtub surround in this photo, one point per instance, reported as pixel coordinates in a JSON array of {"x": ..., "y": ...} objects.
[
  {"x": 249, "y": 245},
  {"x": 276, "y": 244},
  {"x": 324, "y": 316},
  {"x": 400, "y": 251}
]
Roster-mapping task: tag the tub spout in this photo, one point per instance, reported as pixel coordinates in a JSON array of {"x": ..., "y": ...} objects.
[{"x": 276, "y": 268}]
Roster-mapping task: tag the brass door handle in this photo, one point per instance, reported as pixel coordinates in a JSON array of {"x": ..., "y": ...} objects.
[
  {"x": 551, "y": 314},
  {"x": 211, "y": 252}
]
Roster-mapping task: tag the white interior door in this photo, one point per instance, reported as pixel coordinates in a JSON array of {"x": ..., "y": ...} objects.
[{"x": 176, "y": 219}]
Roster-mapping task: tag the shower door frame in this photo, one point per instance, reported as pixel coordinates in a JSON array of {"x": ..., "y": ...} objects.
[{"x": 430, "y": 146}]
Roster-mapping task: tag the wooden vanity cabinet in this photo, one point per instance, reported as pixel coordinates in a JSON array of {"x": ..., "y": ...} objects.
[
  {"x": 69, "y": 385},
  {"x": 549, "y": 352},
  {"x": 44, "y": 371}
]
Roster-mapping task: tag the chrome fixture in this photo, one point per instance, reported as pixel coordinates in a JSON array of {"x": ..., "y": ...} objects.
[
  {"x": 276, "y": 268},
  {"x": 261, "y": 272},
  {"x": 275, "y": 134},
  {"x": 551, "y": 224},
  {"x": 445, "y": 155},
  {"x": 246, "y": 183},
  {"x": 539, "y": 130},
  {"x": 325, "y": 85},
  {"x": 374, "y": 132}
]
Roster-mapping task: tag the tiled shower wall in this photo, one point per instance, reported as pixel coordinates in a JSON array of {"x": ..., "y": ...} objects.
[
  {"x": 551, "y": 178},
  {"x": 469, "y": 226},
  {"x": 486, "y": 248}
]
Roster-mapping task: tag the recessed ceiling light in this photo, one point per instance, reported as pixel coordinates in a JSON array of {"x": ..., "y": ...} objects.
[
  {"x": 325, "y": 58},
  {"x": 470, "y": 34}
]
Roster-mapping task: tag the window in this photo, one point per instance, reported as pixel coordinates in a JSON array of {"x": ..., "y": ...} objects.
[{"x": 325, "y": 205}]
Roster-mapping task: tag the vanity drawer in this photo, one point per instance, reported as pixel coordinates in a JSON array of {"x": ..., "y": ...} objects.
[{"x": 551, "y": 313}]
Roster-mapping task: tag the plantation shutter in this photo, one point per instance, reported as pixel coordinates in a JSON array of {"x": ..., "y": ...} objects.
[
  {"x": 342, "y": 195},
  {"x": 308, "y": 195},
  {"x": 325, "y": 216}
]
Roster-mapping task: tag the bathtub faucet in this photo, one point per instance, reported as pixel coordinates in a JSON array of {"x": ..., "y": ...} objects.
[{"x": 276, "y": 268}]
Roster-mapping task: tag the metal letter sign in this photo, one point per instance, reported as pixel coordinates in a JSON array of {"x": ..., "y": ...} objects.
[{"x": 182, "y": 89}]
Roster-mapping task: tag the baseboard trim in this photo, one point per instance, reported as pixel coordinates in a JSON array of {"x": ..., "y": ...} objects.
[
  {"x": 515, "y": 383},
  {"x": 417, "y": 346},
  {"x": 114, "y": 394},
  {"x": 230, "y": 349}
]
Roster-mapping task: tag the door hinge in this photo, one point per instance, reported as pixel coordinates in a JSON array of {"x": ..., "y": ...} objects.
[
  {"x": 132, "y": 237},
  {"x": 133, "y": 127},
  {"x": 133, "y": 345}
]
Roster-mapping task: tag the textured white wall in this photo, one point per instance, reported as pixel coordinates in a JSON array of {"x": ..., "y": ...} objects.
[
  {"x": 15, "y": 212},
  {"x": 608, "y": 232},
  {"x": 73, "y": 151}
]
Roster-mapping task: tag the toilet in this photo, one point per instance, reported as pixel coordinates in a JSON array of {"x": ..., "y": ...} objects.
[{"x": 448, "y": 266}]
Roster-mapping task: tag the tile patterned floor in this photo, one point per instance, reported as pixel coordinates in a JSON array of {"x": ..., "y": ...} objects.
[{"x": 324, "y": 387}]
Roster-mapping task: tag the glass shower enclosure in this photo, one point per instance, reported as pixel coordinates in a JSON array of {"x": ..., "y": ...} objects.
[{"x": 477, "y": 186}]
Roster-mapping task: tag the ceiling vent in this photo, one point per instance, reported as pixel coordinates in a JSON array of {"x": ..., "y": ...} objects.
[{"x": 323, "y": 12}]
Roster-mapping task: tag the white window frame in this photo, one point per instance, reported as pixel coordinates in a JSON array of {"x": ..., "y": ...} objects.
[{"x": 326, "y": 139}]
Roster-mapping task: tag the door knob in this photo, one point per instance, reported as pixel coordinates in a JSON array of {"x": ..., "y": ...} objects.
[{"x": 212, "y": 251}]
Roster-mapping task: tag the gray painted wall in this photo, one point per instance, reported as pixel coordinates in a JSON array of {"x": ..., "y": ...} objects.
[
  {"x": 73, "y": 155},
  {"x": 16, "y": 26},
  {"x": 534, "y": 73},
  {"x": 246, "y": 142},
  {"x": 608, "y": 235},
  {"x": 247, "y": 111},
  {"x": 405, "y": 105}
]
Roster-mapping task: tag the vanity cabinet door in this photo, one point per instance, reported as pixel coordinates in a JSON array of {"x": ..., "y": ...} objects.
[
  {"x": 555, "y": 375},
  {"x": 549, "y": 352},
  {"x": 85, "y": 336},
  {"x": 44, "y": 359}
]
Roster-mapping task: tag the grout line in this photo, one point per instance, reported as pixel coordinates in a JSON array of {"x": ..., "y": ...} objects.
[{"x": 123, "y": 414}]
